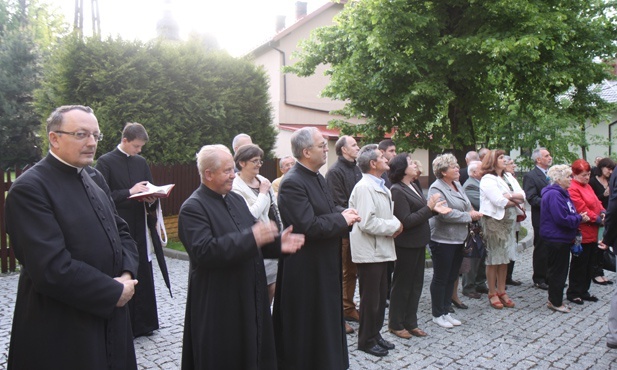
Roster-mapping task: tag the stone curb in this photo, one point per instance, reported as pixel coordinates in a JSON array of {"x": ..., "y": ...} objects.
[{"x": 172, "y": 253}]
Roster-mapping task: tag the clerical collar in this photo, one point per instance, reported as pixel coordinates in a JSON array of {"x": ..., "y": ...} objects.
[
  {"x": 61, "y": 160},
  {"x": 298, "y": 162},
  {"x": 122, "y": 151}
]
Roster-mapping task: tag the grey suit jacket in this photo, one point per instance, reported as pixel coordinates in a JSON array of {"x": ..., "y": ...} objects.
[{"x": 450, "y": 228}]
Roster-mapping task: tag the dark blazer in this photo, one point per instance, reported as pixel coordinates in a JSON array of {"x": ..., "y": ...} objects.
[
  {"x": 412, "y": 211},
  {"x": 464, "y": 175},
  {"x": 533, "y": 183}
]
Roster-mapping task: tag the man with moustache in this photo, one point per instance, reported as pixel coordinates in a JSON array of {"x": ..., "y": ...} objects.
[
  {"x": 78, "y": 265},
  {"x": 227, "y": 323},
  {"x": 308, "y": 306}
]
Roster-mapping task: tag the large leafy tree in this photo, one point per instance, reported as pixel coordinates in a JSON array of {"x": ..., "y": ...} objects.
[
  {"x": 186, "y": 95},
  {"x": 454, "y": 74},
  {"x": 27, "y": 29}
]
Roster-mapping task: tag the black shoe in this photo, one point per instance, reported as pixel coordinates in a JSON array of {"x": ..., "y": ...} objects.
[
  {"x": 385, "y": 344},
  {"x": 375, "y": 350},
  {"x": 513, "y": 282},
  {"x": 590, "y": 298},
  {"x": 542, "y": 286},
  {"x": 450, "y": 309},
  {"x": 474, "y": 295},
  {"x": 576, "y": 300},
  {"x": 461, "y": 305},
  {"x": 482, "y": 289},
  {"x": 610, "y": 345},
  {"x": 609, "y": 282}
]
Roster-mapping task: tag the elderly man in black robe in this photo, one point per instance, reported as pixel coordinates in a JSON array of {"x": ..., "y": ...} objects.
[
  {"x": 78, "y": 259},
  {"x": 228, "y": 323},
  {"x": 127, "y": 173},
  {"x": 308, "y": 304}
]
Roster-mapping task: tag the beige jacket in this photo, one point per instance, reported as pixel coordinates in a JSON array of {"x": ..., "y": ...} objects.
[{"x": 371, "y": 239}]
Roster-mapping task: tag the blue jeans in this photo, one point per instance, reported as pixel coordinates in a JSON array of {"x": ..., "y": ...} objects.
[{"x": 447, "y": 259}]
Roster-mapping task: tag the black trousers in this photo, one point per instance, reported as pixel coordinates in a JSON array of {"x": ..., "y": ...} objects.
[
  {"x": 447, "y": 259},
  {"x": 558, "y": 264},
  {"x": 407, "y": 285},
  {"x": 581, "y": 272},
  {"x": 373, "y": 281},
  {"x": 540, "y": 257}
]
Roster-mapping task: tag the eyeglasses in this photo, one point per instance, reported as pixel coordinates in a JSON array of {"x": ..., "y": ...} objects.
[
  {"x": 257, "y": 162},
  {"x": 83, "y": 135}
]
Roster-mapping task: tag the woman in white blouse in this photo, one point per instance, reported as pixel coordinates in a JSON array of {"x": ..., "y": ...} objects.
[
  {"x": 500, "y": 195},
  {"x": 256, "y": 191}
]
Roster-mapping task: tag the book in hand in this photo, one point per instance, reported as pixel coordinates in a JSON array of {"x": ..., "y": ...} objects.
[{"x": 153, "y": 191}]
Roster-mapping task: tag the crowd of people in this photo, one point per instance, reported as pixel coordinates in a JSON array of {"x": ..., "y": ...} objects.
[{"x": 274, "y": 267}]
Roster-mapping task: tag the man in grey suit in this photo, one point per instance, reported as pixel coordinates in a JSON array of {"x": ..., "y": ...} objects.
[
  {"x": 474, "y": 281},
  {"x": 533, "y": 183}
]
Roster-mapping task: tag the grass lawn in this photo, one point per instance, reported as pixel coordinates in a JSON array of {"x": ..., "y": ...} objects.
[{"x": 176, "y": 245}]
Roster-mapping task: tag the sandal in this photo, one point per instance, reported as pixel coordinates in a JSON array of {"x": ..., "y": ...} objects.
[
  {"x": 576, "y": 300},
  {"x": 497, "y": 305},
  {"x": 563, "y": 308},
  {"x": 506, "y": 301},
  {"x": 601, "y": 281}
]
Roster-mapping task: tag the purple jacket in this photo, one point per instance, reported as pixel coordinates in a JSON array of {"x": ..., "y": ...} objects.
[{"x": 558, "y": 218}]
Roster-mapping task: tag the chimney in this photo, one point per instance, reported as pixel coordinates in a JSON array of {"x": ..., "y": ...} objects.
[
  {"x": 300, "y": 10},
  {"x": 280, "y": 23}
]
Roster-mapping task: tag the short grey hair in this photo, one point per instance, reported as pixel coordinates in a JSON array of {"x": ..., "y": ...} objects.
[
  {"x": 367, "y": 154},
  {"x": 283, "y": 160},
  {"x": 237, "y": 138},
  {"x": 473, "y": 166},
  {"x": 208, "y": 158},
  {"x": 442, "y": 162},
  {"x": 559, "y": 172},
  {"x": 536, "y": 154},
  {"x": 472, "y": 155},
  {"x": 55, "y": 119},
  {"x": 302, "y": 139}
]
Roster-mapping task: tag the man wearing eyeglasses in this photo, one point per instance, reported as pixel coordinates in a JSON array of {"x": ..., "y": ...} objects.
[
  {"x": 127, "y": 173},
  {"x": 78, "y": 259}
]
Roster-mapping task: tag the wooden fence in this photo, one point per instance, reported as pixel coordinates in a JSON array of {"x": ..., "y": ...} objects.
[{"x": 185, "y": 176}]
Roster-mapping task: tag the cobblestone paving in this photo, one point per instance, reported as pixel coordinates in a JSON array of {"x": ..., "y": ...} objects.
[{"x": 528, "y": 336}]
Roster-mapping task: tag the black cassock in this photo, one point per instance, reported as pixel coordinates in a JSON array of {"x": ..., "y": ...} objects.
[
  {"x": 308, "y": 305},
  {"x": 122, "y": 172},
  {"x": 227, "y": 323},
  {"x": 71, "y": 245}
]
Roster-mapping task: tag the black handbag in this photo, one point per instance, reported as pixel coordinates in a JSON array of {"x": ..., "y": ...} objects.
[
  {"x": 608, "y": 259},
  {"x": 473, "y": 247}
]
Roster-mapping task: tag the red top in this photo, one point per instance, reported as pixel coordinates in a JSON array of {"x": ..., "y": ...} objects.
[{"x": 585, "y": 200}]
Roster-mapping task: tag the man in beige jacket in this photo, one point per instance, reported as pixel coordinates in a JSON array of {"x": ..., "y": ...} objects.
[{"x": 372, "y": 246}]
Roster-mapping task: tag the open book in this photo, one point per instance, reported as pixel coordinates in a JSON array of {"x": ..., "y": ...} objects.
[{"x": 154, "y": 191}]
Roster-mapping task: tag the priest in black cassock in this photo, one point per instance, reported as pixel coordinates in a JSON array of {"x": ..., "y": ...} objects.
[
  {"x": 227, "y": 323},
  {"x": 127, "y": 173},
  {"x": 308, "y": 303},
  {"x": 77, "y": 257}
]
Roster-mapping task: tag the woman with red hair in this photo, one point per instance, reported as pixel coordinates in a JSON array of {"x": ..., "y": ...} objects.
[{"x": 584, "y": 200}]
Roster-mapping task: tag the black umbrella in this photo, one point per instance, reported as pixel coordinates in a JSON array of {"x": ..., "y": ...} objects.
[{"x": 158, "y": 250}]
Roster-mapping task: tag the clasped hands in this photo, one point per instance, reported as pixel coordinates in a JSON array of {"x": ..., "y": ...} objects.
[{"x": 128, "y": 288}]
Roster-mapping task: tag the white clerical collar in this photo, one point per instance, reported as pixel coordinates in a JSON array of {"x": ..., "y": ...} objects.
[
  {"x": 120, "y": 149},
  {"x": 61, "y": 160},
  {"x": 300, "y": 163}
]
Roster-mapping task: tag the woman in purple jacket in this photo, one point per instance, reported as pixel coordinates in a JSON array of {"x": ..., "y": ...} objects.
[{"x": 558, "y": 227}]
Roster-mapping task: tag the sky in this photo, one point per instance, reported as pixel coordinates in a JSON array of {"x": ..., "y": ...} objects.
[{"x": 238, "y": 25}]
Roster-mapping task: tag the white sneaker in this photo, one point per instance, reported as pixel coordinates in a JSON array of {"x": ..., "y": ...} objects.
[
  {"x": 442, "y": 322},
  {"x": 451, "y": 320}
]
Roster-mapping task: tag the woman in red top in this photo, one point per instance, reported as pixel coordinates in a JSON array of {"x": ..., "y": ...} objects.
[{"x": 585, "y": 200}]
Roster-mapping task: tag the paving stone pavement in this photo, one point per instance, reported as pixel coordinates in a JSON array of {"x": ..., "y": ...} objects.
[{"x": 528, "y": 336}]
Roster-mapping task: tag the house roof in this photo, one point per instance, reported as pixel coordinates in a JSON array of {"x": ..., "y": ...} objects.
[
  {"x": 287, "y": 30},
  {"x": 608, "y": 91},
  {"x": 330, "y": 133}
]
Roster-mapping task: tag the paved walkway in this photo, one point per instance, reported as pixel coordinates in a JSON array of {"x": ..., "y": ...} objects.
[{"x": 528, "y": 336}]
